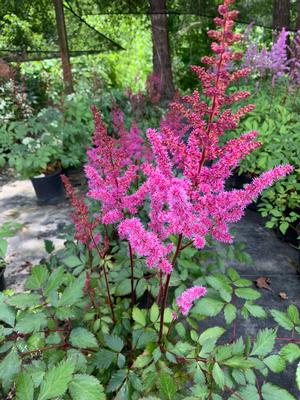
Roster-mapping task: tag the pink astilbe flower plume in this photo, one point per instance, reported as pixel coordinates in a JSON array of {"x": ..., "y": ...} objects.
[
  {"x": 183, "y": 187},
  {"x": 186, "y": 299},
  {"x": 83, "y": 226}
]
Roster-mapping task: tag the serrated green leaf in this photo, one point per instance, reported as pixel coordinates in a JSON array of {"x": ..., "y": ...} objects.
[
  {"x": 138, "y": 316},
  {"x": 275, "y": 363},
  {"x": 73, "y": 293},
  {"x": 56, "y": 380},
  {"x": 114, "y": 342},
  {"x": 264, "y": 342},
  {"x": 54, "y": 280},
  {"x": 247, "y": 293},
  {"x": 167, "y": 386},
  {"x": 7, "y": 313},
  {"x": 239, "y": 362},
  {"x": 10, "y": 366},
  {"x": 116, "y": 380},
  {"x": 290, "y": 352},
  {"x": 24, "y": 387},
  {"x": 293, "y": 313},
  {"x": 211, "y": 334},
  {"x": 233, "y": 274},
  {"x": 86, "y": 387},
  {"x": 142, "y": 361},
  {"x": 31, "y": 322},
  {"x": 243, "y": 283},
  {"x": 154, "y": 312},
  {"x": 255, "y": 310},
  {"x": 282, "y": 319},
  {"x": 248, "y": 392},
  {"x": 273, "y": 392},
  {"x": 168, "y": 316},
  {"x": 218, "y": 375},
  {"x": 104, "y": 358},
  {"x": 230, "y": 313},
  {"x": 83, "y": 339},
  {"x": 37, "y": 370},
  {"x": 72, "y": 261},
  {"x": 38, "y": 276},
  {"x": 24, "y": 300},
  {"x": 123, "y": 288},
  {"x": 208, "y": 307}
]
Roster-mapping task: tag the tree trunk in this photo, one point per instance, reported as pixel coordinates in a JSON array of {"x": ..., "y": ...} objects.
[
  {"x": 281, "y": 14},
  {"x": 162, "y": 67},
  {"x": 63, "y": 45}
]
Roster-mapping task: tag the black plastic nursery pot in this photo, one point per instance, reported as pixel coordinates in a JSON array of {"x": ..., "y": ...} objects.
[{"x": 49, "y": 189}]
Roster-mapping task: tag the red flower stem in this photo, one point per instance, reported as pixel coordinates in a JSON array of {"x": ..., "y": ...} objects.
[
  {"x": 106, "y": 281},
  {"x": 293, "y": 340},
  {"x": 132, "y": 275},
  {"x": 165, "y": 293},
  {"x": 234, "y": 393}
]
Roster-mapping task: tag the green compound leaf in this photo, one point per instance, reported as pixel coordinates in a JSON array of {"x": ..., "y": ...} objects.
[
  {"x": 104, "y": 358},
  {"x": 275, "y": 363},
  {"x": 293, "y": 313},
  {"x": 38, "y": 276},
  {"x": 7, "y": 313},
  {"x": 167, "y": 386},
  {"x": 230, "y": 313},
  {"x": 56, "y": 380},
  {"x": 54, "y": 281},
  {"x": 239, "y": 362},
  {"x": 31, "y": 322},
  {"x": 138, "y": 316},
  {"x": 116, "y": 380},
  {"x": 86, "y": 387},
  {"x": 154, "y": 312},
  {"x": 24, "y": 387},
  {"x": 84, "y": 339},
  {"x": 282, "y": 319},
  {"x": 211, "y": 334},
  {"x": 218, "y": 375},
  {"x": 255, "y": 310},
  {"x": 114, "y": 342},
  {"x": 208, "y": 307},
  {"x": 248, "y": 392},
  {"x": 290, "y": 352},
  {"x": 264, "y": 342},
  {"x": 24, "y": 300},
  {"x": 10, "y": 366},
  {"x": 273, "y": 392},
  {"x": 247, "y": 293},
  {"x": 73, "y": 293}
]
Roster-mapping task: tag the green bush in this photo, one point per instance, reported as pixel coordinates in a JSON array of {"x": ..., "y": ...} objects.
[
  {"x": 58, "y": 339},
  {"x": 278, "y": 122}
]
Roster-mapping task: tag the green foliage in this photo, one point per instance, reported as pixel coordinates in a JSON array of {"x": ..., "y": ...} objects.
[
  {"x": 79, "y": 352},
  {"x": 278, "y": 123}
]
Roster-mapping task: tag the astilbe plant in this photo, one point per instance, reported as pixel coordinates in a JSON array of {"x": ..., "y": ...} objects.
[{"x": 86, "y": 331}]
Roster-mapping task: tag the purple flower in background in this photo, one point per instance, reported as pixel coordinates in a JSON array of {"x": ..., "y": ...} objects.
[
  {"x": 278, "y": 56},
  {"x": 295, "y": 60}
]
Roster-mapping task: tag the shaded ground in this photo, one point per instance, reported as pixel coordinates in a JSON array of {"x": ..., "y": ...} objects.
[
  {"x": 26, "y": 248},
  {"x": 271, "y": 257}
]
